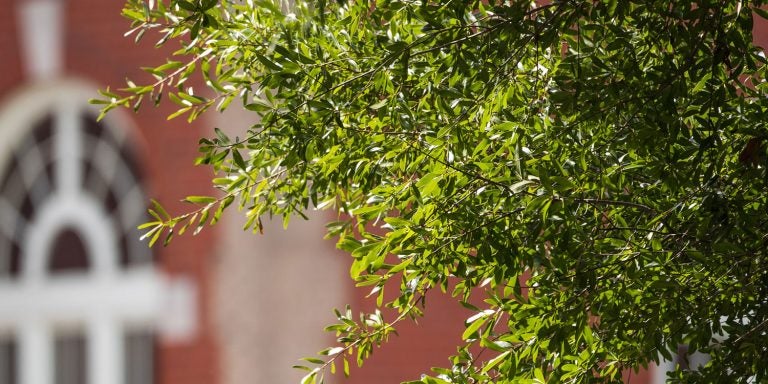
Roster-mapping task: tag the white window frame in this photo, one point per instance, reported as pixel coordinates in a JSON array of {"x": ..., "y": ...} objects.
[{"x": 108, "y": 299}]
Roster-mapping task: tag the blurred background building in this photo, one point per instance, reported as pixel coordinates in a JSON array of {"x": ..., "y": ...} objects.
[{"x": 82, "y": 301}]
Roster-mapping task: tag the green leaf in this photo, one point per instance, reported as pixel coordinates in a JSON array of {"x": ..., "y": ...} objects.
[
  {"x": 474, "y": 323},
  {"x": 492, "y": 363},
  {"x": 313, "y": 360},
  {"x": 159, "y": 208},
  {"x": 521, "y": 185},
  {"x": 200, "y": 199},
  {"x": 156, "y": 232},
  {"x": 186, "y": 5},
  {"x": 702, "y": 82},
  {"x": 149, "y": 224}
]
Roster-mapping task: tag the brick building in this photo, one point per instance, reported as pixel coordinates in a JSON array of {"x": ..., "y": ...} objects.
[{"x": 82, "y": 301}]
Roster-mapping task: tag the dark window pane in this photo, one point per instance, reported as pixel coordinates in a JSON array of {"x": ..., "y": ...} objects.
[
  {"x": 139, "y": 357},
  {"x": 27, "y": 209},
  {"x": 10, "y": 257},
  {"x": 44, "y": 130},
  {"x": 8, "y": 361},
  {"x": 125, "y": 256},
  {"x": 70, "y": 359},
  {"x": 15, "y": 266},
  {"x": 11, "y": 176},
  {"x": 68, "y": 253}
]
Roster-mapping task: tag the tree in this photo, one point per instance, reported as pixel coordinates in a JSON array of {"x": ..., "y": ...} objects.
[{"x": 596, "y": 170}]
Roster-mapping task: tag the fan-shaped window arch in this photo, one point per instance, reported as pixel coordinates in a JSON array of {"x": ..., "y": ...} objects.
[{"x": 109, "y": 176}]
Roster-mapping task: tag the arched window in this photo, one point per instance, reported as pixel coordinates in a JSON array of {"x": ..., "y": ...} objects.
[{"x": 80, "y": 296}]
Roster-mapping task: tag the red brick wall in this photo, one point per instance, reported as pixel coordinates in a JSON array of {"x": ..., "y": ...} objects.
[
  {"x": 760, "y": 32},
  {"x": 10, "y": 63}
]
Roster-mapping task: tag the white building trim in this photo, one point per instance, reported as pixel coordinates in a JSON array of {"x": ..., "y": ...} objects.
[{"x": 42, "y": 35}]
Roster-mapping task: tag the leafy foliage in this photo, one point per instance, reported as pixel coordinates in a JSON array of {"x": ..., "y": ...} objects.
[{"x": 595, "y": 169}]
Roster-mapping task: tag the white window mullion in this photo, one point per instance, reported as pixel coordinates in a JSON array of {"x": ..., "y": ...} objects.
[
  {"x": 35, "y": 353},
  {"x": 68, "y": 149},
  {"x": 105, "y": 351}
]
